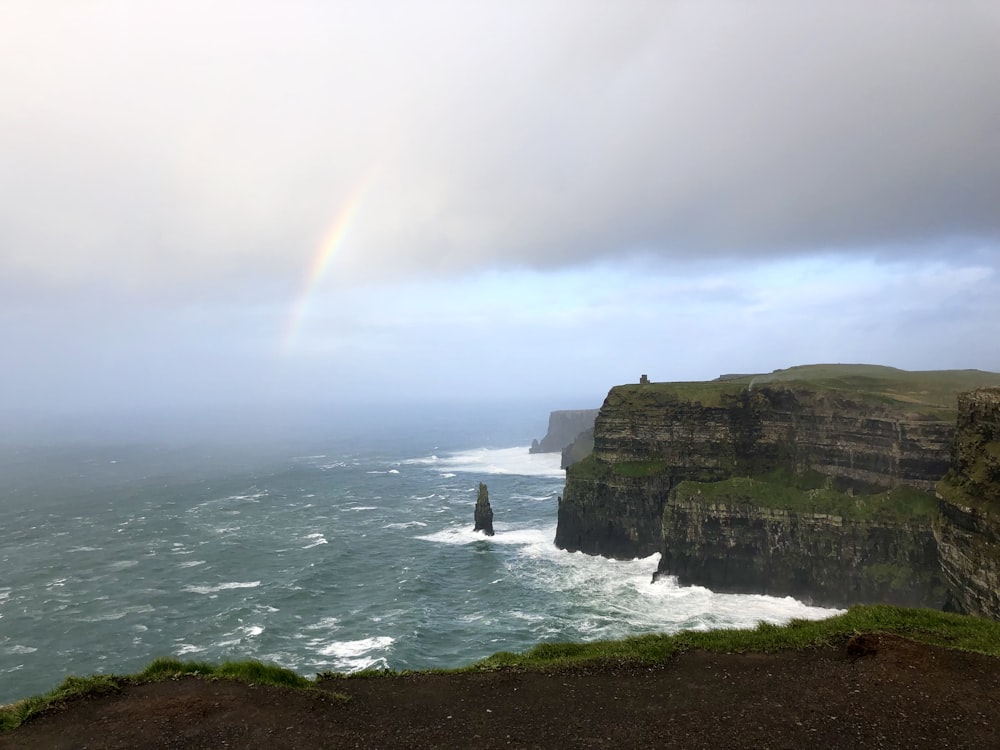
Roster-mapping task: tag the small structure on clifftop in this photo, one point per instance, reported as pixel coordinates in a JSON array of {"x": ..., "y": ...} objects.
[{"x": 484, "y": 513}]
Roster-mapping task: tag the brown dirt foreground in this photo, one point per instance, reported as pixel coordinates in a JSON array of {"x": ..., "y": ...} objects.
[{"x": 878, "y": 692}]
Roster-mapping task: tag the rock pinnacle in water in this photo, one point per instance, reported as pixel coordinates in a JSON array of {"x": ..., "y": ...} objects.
[{"x": 484, "y": 513}]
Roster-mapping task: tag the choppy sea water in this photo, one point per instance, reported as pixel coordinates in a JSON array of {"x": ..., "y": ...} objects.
[{"x": 336, "y": 560}]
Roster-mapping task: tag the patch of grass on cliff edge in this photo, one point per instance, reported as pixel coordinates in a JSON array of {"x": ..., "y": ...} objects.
[
  {"x": 900, "y": 504},
  {"x": 249, "y": 671},
  {"x": 923, "y": 625}
]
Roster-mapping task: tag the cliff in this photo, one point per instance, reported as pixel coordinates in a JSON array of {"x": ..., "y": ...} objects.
[
  {"x": 821, "y": 546},
  {"x": 837, "y": 435},
  {"x": 564, "y": 427},
  {"x": 967, "y": 527}
]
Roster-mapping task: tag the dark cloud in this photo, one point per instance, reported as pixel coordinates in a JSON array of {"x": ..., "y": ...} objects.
[{"x": 155, "y": 143}]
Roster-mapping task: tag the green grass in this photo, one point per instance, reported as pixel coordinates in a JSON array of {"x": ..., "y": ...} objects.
[
  {"x": 245, "y": 671},
  {"x": 927, "y": 626},
  {"x": 929, "y": 393},
  {"x": 248, "y": 671},
  {"x": 924, "y": 625},
  {"x": 900, "y": 504},
  {"x": 639, "y": 468},
  {"x": 72, "y": 687}
]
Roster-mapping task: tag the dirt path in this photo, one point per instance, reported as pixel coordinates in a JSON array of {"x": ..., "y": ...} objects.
[{"x": 890, "y": 693}]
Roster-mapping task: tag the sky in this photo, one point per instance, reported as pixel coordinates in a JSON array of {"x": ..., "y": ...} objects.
[{"x": 295, "y": 204}]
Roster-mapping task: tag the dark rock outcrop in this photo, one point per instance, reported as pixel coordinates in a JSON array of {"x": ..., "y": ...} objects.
[
  {"x": 564, "y": 427},
  {"x": 967, "y": 527},
  {"x": 484, "y": 513}
]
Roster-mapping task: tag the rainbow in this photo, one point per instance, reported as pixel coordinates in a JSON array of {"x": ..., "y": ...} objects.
[{"x": 332, "y": 241}]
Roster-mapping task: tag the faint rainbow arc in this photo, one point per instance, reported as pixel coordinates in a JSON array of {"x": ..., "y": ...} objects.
[{"x": 320, "y": 263}]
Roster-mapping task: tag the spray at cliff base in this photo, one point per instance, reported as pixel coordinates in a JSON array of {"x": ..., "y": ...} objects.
[{"x": 341, "y": 559}]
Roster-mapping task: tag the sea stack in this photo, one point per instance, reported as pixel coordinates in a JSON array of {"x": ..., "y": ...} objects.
[{"x": 484, "y": 513}]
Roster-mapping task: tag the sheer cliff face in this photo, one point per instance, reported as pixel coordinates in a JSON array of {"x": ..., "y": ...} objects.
[
  {"x": 647, "y": 438},
  {"x": 967, "y": 528},
  {"x": 820, "y": 558},
  {"x": 858, "y": 441}
]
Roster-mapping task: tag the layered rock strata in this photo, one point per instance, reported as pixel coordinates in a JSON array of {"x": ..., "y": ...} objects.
[
  {"x": 734, "y": 544},
  {"x": 967, "y": 527},
  {"x": 663, "y": 436}
]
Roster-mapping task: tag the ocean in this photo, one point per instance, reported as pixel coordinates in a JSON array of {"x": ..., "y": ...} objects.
[{"x": 341, "y": 553}]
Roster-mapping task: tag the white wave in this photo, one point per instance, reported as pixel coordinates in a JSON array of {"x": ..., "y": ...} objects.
[
  {"x": 221, "y": 587},
  {"x": 252, "y": 631},
  {"x": 188, "y": 648},
  {"x": 85, "y": 549},
  {"x": 354, "y": 649},
  {"x": 123, "y": 564},
  {"x": 327, "y": 623},
  {"x": 406, "y": 525},
  {"x": 393, "y": 471},
  {"x": 448, "y": 475},
  {"x": 421, "y": 461},
  {"x": 251, "y": 496},
  {"x": 362, "y": 507},
  {"x": 104, "y": 617},
  {"x": 465, "y": 535},
  {"x": 17, "y": 650},
  {"x": 623, "y": 599},
  {"x": 515, "y": 461},
  {"x": 518, "y": 496},
  {"x": 318, "y": 539},
  {"x": 191, "y": 564},
  {"x": 355, "y": 655}
]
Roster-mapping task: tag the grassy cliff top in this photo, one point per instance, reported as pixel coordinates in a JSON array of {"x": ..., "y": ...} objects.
[
  {"x": 930, "y": 392},
  {"x": 900, "y": 505}
]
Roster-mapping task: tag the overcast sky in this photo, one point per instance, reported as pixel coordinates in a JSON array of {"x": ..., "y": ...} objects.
[{"x": 270, "y": 203}]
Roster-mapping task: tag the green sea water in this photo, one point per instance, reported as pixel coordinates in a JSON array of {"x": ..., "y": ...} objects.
[{"x": 348, "y": 555}]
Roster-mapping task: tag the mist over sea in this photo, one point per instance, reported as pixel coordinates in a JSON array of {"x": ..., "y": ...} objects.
[{"x": 342, "y": 546}]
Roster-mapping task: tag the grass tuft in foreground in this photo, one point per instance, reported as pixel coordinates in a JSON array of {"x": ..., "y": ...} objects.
[
  {"x": 246, "y": 671},
  {"x": 72, "y": 687},
  {"x": 249, "y": 671}
]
